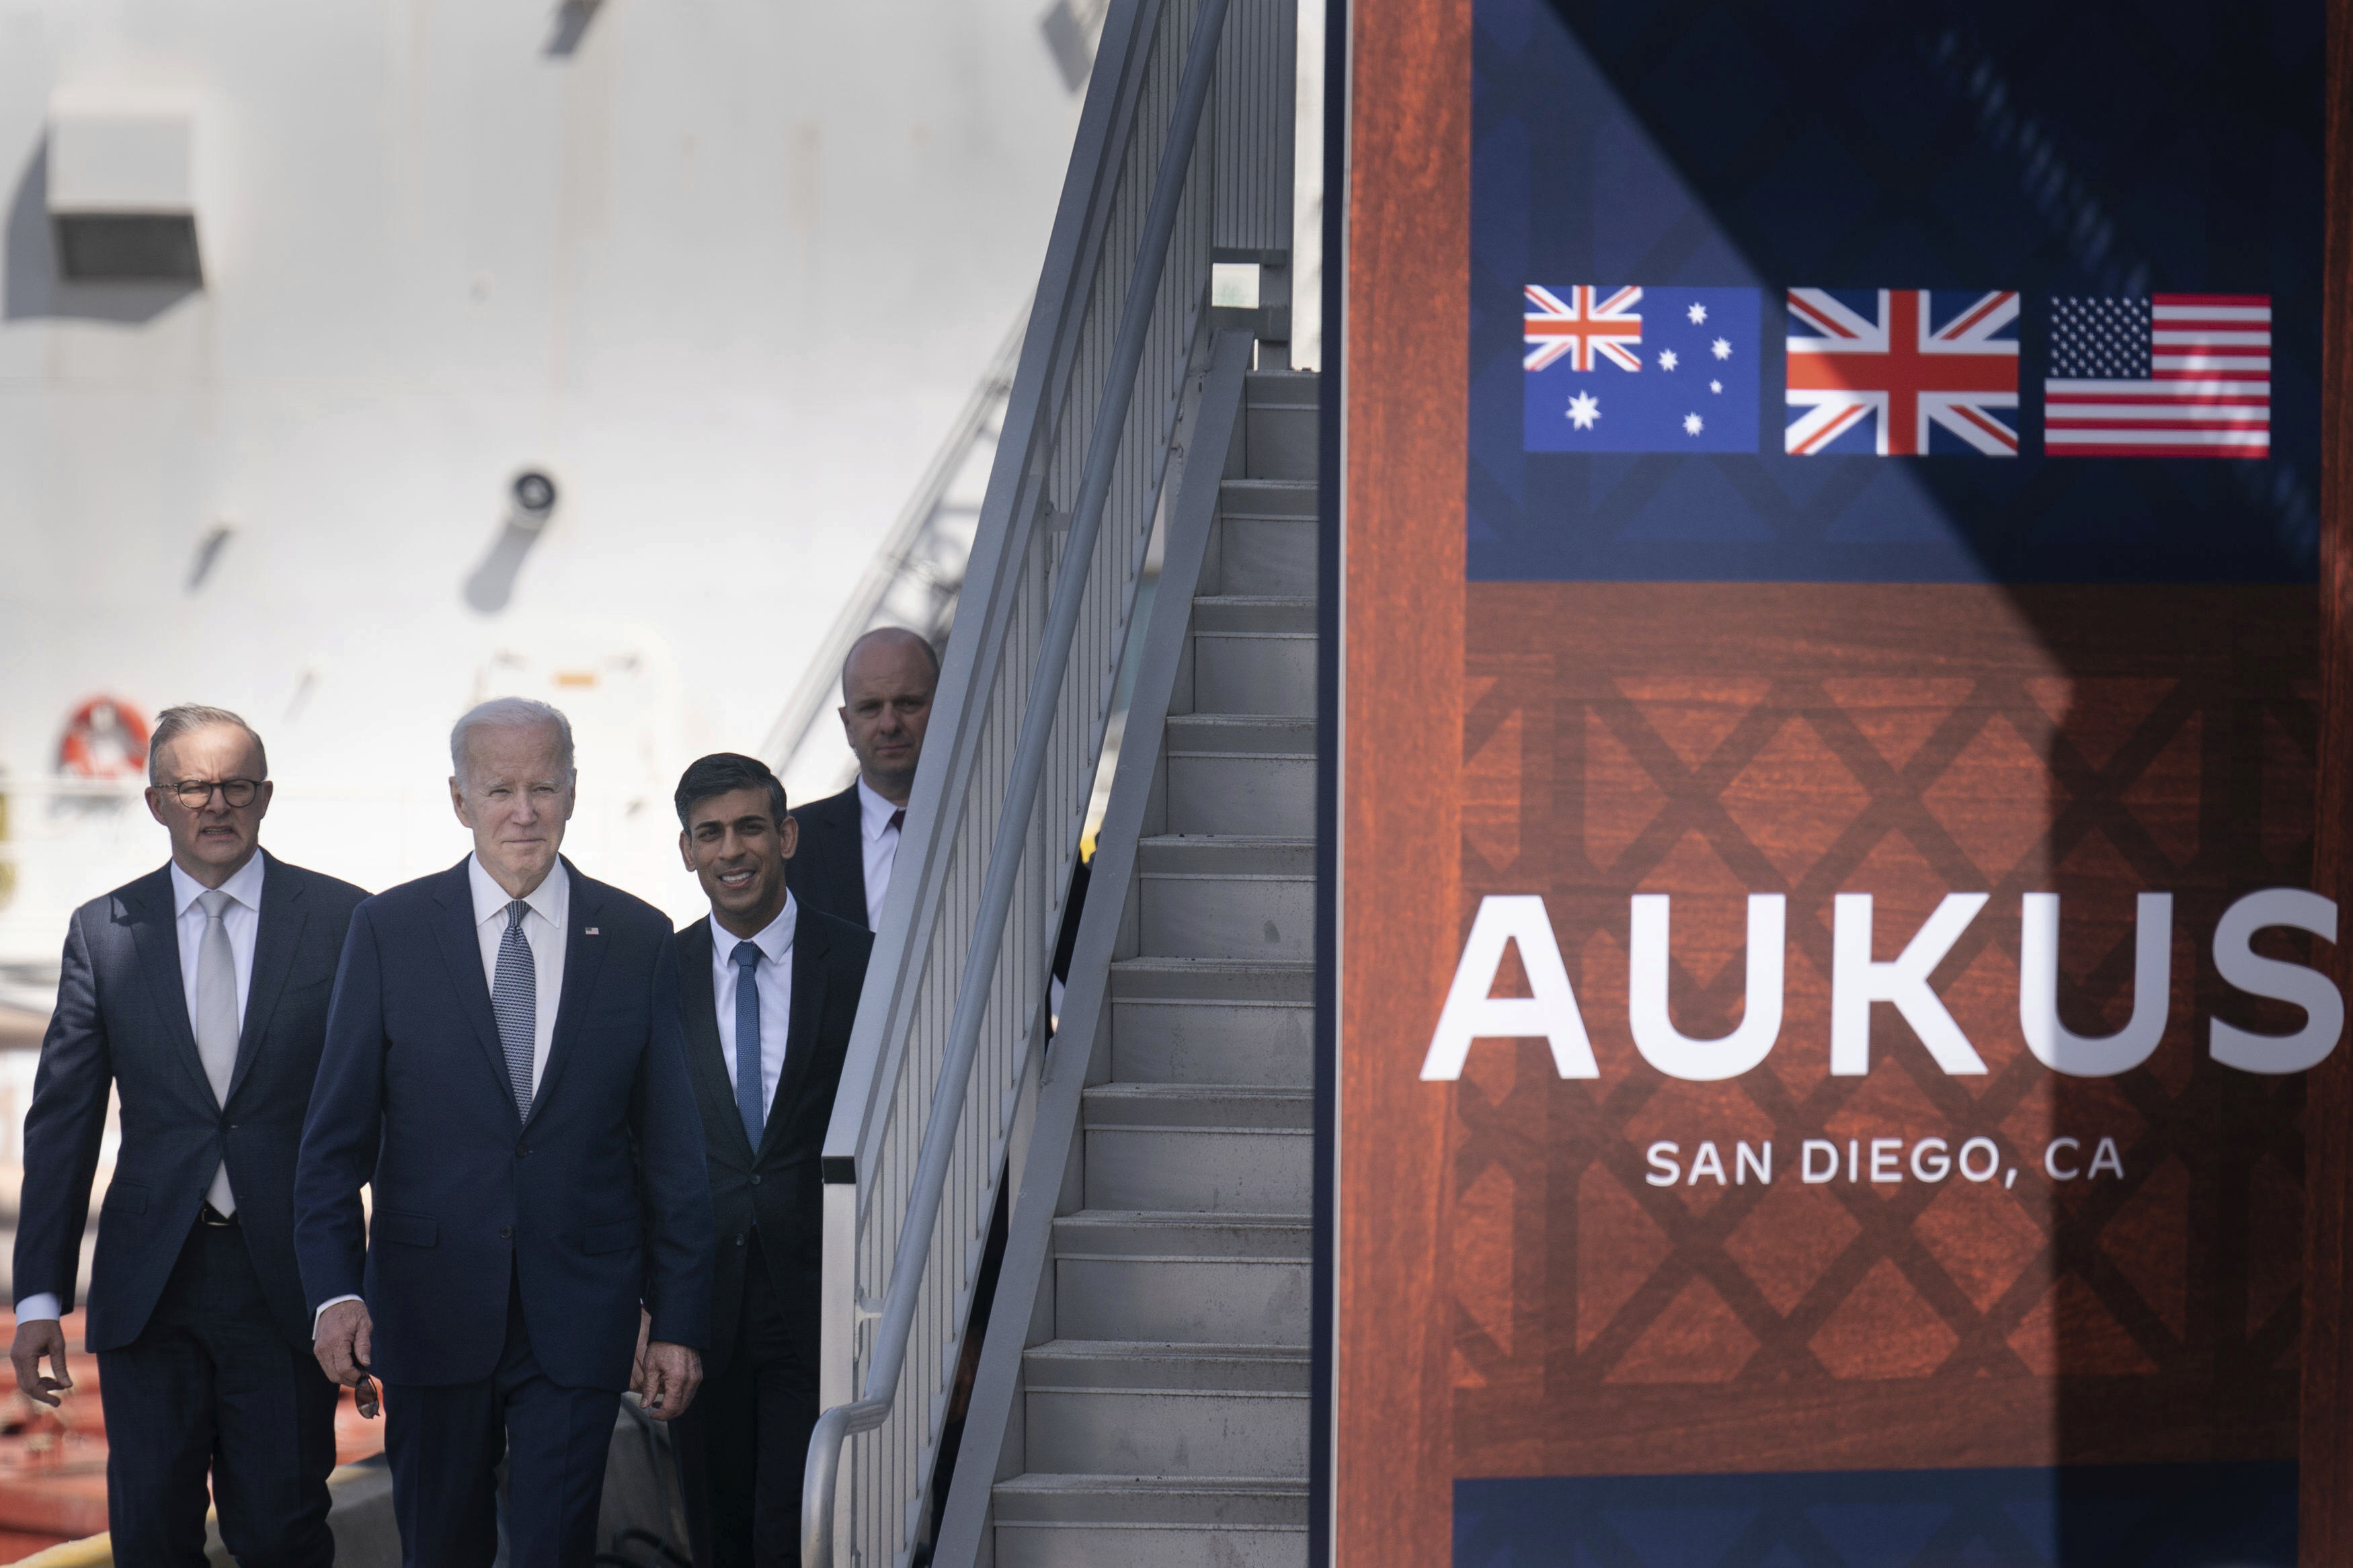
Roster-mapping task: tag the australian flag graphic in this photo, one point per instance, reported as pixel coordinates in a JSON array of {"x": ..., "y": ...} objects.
[{"x": 1630, "y": 368}]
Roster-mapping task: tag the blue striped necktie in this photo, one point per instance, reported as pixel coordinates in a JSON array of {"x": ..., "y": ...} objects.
[
  {"x": 514, "y": 998},
  {"x": 748, "y": 1095}
]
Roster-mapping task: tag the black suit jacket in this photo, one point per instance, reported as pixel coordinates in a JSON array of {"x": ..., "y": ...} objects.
[
  {"x": 122, "y": 1021},
  {"x": 776, "y": 1188},
  {"x": 594, "y": 1202},
  {"x": 827, "y": 870}
]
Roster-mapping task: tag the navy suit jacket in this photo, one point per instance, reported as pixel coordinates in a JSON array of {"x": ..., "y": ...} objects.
[
  {"x": 122, "y": 1021},
  {"x": 594, "y": 1203},
  {"x": 776, "y": 1188},
  {"x": 827, "y": 870}
]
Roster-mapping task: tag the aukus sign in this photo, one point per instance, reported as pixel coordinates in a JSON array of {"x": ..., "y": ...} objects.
[{"x": 1860, "y": 982}]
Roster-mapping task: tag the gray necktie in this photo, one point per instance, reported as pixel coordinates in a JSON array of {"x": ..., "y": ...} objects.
[
  {"x": 216, "y": 1021},
  {"x": 514, "y": 997}
]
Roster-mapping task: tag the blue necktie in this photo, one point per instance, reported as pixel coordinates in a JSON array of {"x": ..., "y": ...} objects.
[
  {"x": 515, "y": 999},
  {"x": 748, "y": 1097}
]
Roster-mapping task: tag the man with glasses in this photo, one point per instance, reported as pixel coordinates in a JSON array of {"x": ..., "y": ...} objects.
[{"x": 199, "y": 994}]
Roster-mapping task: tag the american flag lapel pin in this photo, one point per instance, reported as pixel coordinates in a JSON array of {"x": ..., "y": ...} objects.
[{"x": 590, "y": 931}]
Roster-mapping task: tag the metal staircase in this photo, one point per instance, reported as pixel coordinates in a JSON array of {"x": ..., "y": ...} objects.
[
  {"x": 1160, "y": 1411},
  {"x": 1158, "y": 1149}
]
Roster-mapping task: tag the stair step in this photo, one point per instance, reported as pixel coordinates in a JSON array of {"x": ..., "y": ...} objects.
[
  {"x": 1184, "y": 1277},
  {"x": 1152, "y": 1500},
  {"x": 1149, "y": 1233},
  {"x": 1227, "y": 896},
  {"x": 1166, "y": 1410},
  {"x": 1266, "y": 539},
  {"x": 1200, "y": 1170},
  {"x": 1280, "y": 735},
  {"x": 1253, "y": 654},
  {"x": 1213, "y": 1021},
  {"x": 1295, "y": 386},
  {"x": 1142, "y": 1365},
  {"x": 1280, "y": 440},
  {"x": 1240, "y": 793},
  {"x": 1265, "y": 553},
  {"x": 1292, "y": 499},
  {"x": 1258, "y": 1106},
  {"x": 1046, "y": 1520},
  {"x": 1040, "y": 1543},
  {"x": 1240, "y": 774},
  {"x": 1253, "y": 614},
  {"x": 1259, "y": 982}
]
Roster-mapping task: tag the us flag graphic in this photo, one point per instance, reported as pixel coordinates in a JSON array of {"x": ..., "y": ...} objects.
[{"x": 2174, "y": 375}]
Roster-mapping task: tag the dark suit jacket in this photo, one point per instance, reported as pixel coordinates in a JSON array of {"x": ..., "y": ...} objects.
[
  {"x": 777, "y": 1189},
  {"x": 597, "y": 1201},
  {"x": 123, "y": 1020},
  {"x": 827, "y": 870}
]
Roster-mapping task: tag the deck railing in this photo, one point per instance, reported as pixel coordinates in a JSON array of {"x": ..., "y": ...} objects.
[{"x": 1182, "y": 161}]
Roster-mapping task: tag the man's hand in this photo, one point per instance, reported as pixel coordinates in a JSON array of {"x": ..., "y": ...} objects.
[
  {"x": 345, "y": 1339},
  {"x": 41, "y": 1337},
  {"x": 672, "y": 1373},
  {"x": 637, "y": 1363}
]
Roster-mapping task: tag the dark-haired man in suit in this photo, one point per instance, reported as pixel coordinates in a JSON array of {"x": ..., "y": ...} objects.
[
  {"x": 849, "y": 842},
  {"x": 199, "y": 994},
  {"x": 768, "y": 990}
]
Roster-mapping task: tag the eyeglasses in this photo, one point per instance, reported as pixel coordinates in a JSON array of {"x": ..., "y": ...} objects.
[{"x": 197, "y": 794}]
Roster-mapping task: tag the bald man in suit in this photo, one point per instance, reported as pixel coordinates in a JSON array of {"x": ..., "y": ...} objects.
[{"x": 849, "y": 842}]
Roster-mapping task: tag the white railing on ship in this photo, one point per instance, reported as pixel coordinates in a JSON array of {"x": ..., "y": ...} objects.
[{"x": 1182, "y": 161}]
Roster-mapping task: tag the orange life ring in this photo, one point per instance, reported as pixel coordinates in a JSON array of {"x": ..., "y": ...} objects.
[{"x": 106, "y": 738}]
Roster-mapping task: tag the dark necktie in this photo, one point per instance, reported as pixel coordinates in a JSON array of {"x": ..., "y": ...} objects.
[
  {"x": 898, "y": 819},
  {"x": 514, "y": 998},
  {"x": 748, "y": 1097}
]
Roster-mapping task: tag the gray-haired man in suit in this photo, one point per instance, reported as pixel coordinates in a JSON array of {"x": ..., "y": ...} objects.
[{"x": 199, "y": 994}]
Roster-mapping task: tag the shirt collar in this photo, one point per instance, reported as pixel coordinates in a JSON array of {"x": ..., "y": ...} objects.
[
  {"x": 774, "y": 942},
  {"x": 873, "y": 811},
  {"x": 549, "y": 900},
  {"x": 244, "y": 887}
]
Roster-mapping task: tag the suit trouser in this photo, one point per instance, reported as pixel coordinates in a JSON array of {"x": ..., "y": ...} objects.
[
  {"x": 743, "y": 1441},
  {"x": 211, "y": 1386},
  {"x": 445, "y": 1441}
]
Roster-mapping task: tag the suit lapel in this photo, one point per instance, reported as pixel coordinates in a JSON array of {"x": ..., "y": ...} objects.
[
  {"x": 154, "y": 934},
  {"x": 283, "y": 918},
  {"x": 706, "y": 1057},
  {"x": 853, "y": 816},
  {"x": 800, "y": 1034},
  {"x": 583, "y": 955},
  {"x": 461, "y": 950}
]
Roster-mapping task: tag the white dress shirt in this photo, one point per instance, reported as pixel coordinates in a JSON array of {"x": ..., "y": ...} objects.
[
  {"x": 773, "y": 977},
  {"x": 543, "y": 930},
  {"x": 881, "y": 846},
  {"x": 241, "y": 919},
  {"x": 549, "y": 904},
  {"x": 242, "y": 922}
]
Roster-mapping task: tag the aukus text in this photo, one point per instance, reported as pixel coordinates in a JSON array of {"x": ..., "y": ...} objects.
[{"x": 1859, "y": 981}]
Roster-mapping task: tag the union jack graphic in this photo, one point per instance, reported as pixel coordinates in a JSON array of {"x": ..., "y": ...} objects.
[
  {"x": 1581, "y": 327},
  {"x": 1898, "y": 366}
]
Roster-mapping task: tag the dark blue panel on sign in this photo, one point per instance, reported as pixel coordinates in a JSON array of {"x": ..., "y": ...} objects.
[
  {"x": 2006, "y": 291},
  {"x": 2111, "y": 1516}
]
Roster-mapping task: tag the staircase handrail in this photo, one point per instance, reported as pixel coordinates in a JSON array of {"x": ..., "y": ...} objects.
[{"x": 1076, "y": 390}]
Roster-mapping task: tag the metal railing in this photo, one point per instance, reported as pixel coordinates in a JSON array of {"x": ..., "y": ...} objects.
[
  {"x": 1171, "y": 174},
  {"x": 911, "y": 581}
]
